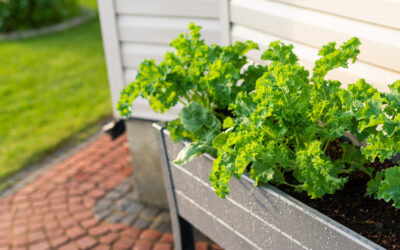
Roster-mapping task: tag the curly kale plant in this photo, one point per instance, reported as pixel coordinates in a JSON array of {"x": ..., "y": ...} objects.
[
  {"x": 284, "y": 127},
  {"x": 289, "y": 121},
  {"x": 205, "y": 79},
  {"x": 275, "y": 121}
]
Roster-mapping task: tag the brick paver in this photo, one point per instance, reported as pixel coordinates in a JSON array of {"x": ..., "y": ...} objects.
[{"x": 61, "y": 209}]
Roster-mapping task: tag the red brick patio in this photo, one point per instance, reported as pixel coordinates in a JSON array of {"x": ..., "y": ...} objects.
[{"x": 55, "y": 210}]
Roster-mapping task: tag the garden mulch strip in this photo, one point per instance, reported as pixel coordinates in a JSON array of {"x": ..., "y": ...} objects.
[{"x": 58, "y": 210}]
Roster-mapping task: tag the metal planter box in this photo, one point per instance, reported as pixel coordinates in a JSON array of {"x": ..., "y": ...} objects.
[{"x": 250, "y": 217}]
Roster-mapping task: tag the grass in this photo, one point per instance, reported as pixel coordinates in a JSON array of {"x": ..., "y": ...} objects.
[
  {"x": 88, "y": 3},
  {"x": 51, "y": 88}
]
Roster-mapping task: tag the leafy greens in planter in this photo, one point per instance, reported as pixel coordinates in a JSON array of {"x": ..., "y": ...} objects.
[
  {"x": 275, "y": 121},
  {"x": 205, "y": 79}
]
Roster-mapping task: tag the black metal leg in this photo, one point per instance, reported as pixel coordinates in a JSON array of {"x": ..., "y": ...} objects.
[{"x": 186, "y": 234}]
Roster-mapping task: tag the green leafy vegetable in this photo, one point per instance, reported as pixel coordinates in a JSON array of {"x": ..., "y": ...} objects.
[
  {"x": 204, "y": 78},
  {"x": 386, "y": 186},
  {"x": 285, "y": 126},
  {"x": 192, "y": 150},
  {"x": 275, "y": 122}
]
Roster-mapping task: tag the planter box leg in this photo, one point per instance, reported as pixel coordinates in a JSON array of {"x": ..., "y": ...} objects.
[
  {"x": 187, "y": 240},
  {"x": 182, "y": 230},
  {"x": 146, "y": 171}
]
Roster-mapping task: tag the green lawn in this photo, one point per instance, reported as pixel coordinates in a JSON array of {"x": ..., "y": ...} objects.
[
  {"x": 51, "y": 88},
  {"x": 88, "y": 3}
]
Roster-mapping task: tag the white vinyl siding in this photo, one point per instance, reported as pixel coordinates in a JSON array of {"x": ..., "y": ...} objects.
[
  {"x": 144, "y": 30},
  {"x": 308, "y": 26}
]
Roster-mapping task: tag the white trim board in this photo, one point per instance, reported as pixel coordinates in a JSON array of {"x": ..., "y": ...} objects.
[{"x": 112, "y": 51}]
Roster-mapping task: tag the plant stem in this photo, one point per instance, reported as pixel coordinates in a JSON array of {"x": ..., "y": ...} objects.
[
  {"x": 297, "y": 140},
  {"x": 326, "y": 145},
  {"x": 292, "y": 185},
  {"x": 344, "y": 171},
  {"x": 207, "y": 100},
  {"x": 199, "y": 97},
  {"x": 220, "y": 116}
]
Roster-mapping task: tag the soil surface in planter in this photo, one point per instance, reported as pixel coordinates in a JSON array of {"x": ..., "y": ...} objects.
[{"x": 376, "y": 220}]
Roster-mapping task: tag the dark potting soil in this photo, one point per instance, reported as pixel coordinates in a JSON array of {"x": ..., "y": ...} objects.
[{"x": 376, "y": 220}]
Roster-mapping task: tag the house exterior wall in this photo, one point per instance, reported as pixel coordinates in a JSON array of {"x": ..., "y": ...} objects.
[
  {"x": 309, "y": 24},
  {"x": 134, "y": 30}
]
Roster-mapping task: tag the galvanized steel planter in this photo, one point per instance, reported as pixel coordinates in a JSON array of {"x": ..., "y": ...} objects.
[{"x": 250, "y": 217}]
